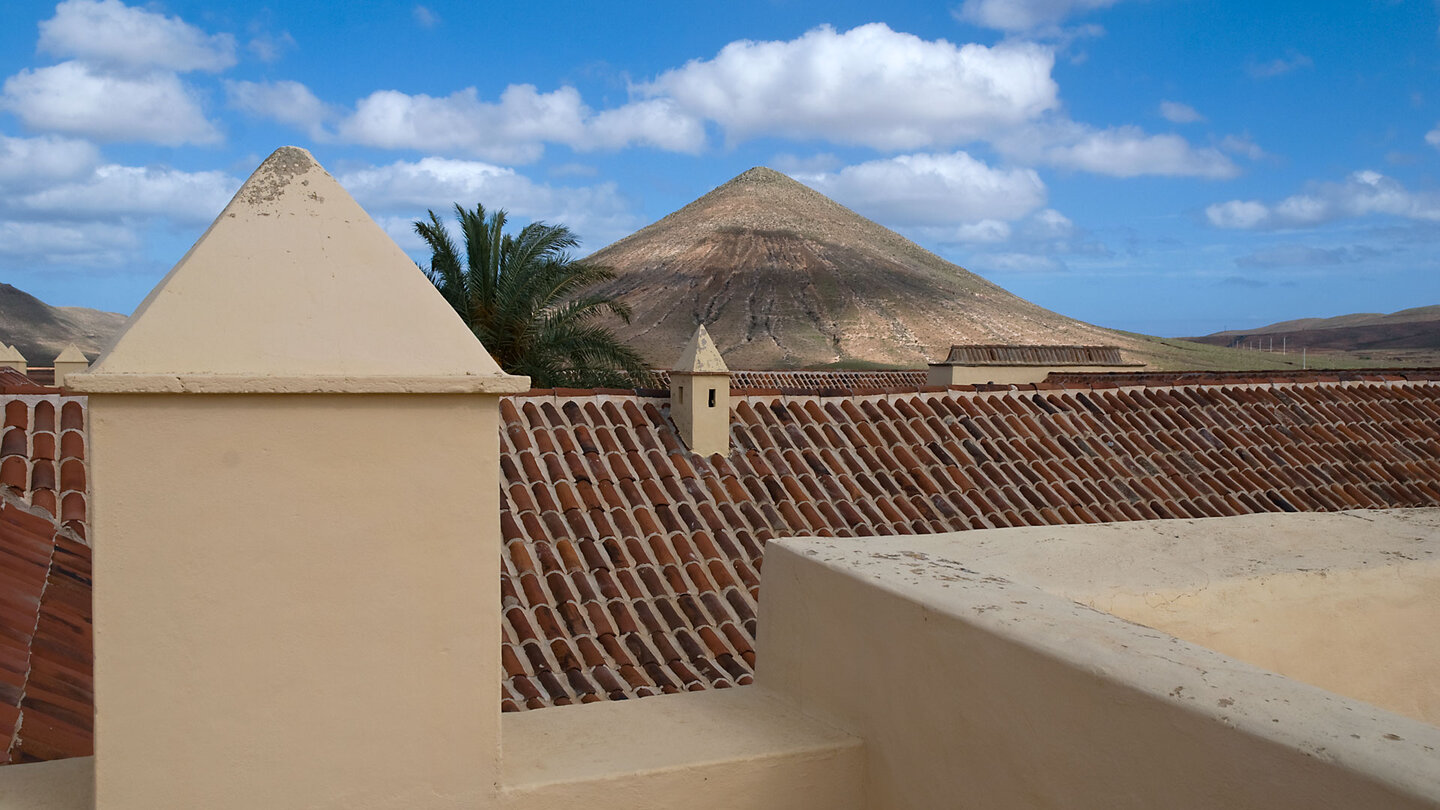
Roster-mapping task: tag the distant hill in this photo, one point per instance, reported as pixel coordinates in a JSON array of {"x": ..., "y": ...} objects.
[
  {"x": 784, "y": 277},
  {"x": 41, "y": 331},
  {"x": 1417, "y": 328}
]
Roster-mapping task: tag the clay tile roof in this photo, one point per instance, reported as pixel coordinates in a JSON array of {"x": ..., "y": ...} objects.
[
  {"x": 46, "y": 694},
  {"x": 1013, "y": 355},
  {"x": 819, "y": 383},
  {"x": 679, "y": 576}
]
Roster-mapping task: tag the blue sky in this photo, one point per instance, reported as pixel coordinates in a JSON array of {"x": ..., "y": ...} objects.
[{"x": 1167, "y": 166}]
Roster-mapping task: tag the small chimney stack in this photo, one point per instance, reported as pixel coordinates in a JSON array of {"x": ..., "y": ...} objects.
[
  {"x": 700, "y": 396},
  {"x": 70, "y": 361}
]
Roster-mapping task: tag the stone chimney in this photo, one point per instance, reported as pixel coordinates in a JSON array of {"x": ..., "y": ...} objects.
[
  {"x": 295, "y": 478},
  {"x": 70, "y": 361},
  {"x": 700, "y": 396},
  {"x": 10, "y": 357}
]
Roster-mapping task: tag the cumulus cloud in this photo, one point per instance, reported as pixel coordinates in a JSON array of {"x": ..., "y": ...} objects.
[
  {"x": 131, "y": 192},
  {"x": 75, "y": 98},
  {"x": 1177, "y": 113},
  {"x": 1237, "y": 214},
  {"x": 288, "y": 102},
  {"x": 1306, "y": 256},
  {"x": 869, "y": 86},
  {"x": 1242, "y": 145},
  {"x": 269, "y": 47},
  {"x": 402, "y": 191},
  {"x": 1361, "y": 194},
  {"x": 1024, "y": 15},
  {"x": 1279, "y": 67},
  {"x": 1433, "y": 137},
  {"x": 110, "y": 34},
  {"x": 516, "y": 128},
  {"x": 87, "y": 245},
  {"x": 60, "y": 205},
  {"x": 425, "y": 17},
  {"x": 1125, "y": 151},
  {"x": 933, "y": 189},
  {"x": 28, "y": 163}
]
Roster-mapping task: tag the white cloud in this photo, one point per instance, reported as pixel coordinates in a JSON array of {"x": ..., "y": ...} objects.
[
  {"x": 90, "y": 244},
  {"x": 288, "y": 102},
  {"x": 1049, "y": 224},
  {"x": 933, "y": 189},
  {"x": 1279, "y": 67},
  {"x": 115, "y": 192},
  {"x": 405, "y": 190},
  {"x": 1242, "y": 145},
  {"x": 1433, "y": 137},
  {"x": 1024, "y": 15},
  {"x": 269, "y": 47},
  {"x": 1363, "y": 193},
  {"x": 1237, "y": 214},
  {"x": 72, "y": 97},
  {"x": 1017, "y": 262},
  {"x": 27, "y": 163},
  {"x": 425, "y": 17},
  {"x": 1177, "y": 113},
  {"x": 870, "y": 86},
  {"x": 111, "y": 34},
  {"x": 656, "y": 122},
  {"x": 1125, "y": 151},
  {"x": 984, "y": 232}
]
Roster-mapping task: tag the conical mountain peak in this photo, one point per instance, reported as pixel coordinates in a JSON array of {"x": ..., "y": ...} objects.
[{"x": 783, "y": 276}]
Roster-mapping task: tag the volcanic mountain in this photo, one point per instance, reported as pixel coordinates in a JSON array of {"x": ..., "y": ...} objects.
[
  {"x": 782, "y": 276},
  {"x": 41, "y": 331}
]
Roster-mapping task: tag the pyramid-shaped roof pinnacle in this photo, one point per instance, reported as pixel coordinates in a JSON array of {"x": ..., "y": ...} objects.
[
  {"x": 295, "y": 288},
  {"x": 700, "y": 355}
]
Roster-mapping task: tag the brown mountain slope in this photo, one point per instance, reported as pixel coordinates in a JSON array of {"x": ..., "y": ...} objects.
[
  {"x": 41, "y": 331},
  {"x": 784, "y": 277}
]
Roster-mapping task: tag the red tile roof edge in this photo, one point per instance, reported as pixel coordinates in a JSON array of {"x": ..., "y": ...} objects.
[
  {"x": 52, "y": 715},
  {"x": 1056, "y": 380}
]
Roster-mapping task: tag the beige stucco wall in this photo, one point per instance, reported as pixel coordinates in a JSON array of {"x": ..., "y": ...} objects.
[
  {"x": 704, "y": 428},
  {"x": 291, "y": 600},
  {"x": 974, "y": 691},
  {"x": 725, "y": 749},
  {"x": 941, "y": 374}
]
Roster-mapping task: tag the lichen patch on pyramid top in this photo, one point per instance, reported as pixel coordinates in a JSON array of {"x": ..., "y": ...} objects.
[{"x": 294, "y": 280}]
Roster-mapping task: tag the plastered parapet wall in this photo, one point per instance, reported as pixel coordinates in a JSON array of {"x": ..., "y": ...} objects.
[{"x": 932, "y": 654}]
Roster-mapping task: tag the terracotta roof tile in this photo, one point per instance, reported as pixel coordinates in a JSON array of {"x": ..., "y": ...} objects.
[{"x": 681, "y": 609}]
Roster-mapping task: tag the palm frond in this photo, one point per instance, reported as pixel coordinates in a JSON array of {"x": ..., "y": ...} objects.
[{"x": 529, "y": 302}]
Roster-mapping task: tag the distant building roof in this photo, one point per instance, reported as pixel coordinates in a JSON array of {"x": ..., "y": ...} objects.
[
  {"x": 876, "y": 380},
  {"x": 1003, "y": 355}
]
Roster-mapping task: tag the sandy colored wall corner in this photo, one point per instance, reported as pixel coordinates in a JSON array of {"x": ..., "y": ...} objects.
[{"x": 973, "y": 692}]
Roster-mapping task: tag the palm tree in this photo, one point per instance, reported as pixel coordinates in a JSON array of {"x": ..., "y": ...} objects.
[{"x": 529, "y": 303}]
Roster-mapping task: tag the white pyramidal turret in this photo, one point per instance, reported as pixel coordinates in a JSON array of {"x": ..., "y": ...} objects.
[
  {"x": 268, "y": 437},
  {"x": 70, "y": 361},
  {"x": 700, "y": 396},
  {"x": 247, "y": 307},
  {"x": 10, "y": 357}
]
